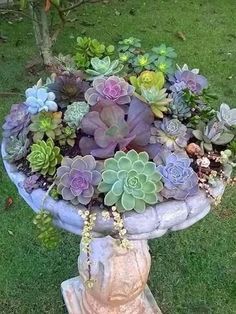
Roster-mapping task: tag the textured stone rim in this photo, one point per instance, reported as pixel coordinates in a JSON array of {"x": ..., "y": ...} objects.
[{"x": 153, "y": 223}]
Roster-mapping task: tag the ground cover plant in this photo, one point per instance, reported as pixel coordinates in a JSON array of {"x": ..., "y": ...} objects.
[{"x": 175, "y": 242}]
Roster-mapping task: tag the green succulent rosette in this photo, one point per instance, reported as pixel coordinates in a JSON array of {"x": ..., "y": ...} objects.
[
  {"x": 44, "y": 157},
  {"x": 130, "y": 181}
]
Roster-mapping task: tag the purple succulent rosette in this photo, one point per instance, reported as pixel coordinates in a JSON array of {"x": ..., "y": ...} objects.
[
  {"x": 109, "y": 129},
  {"x": 76, "y": 179},
  {"x": 180, "y": 180},
  {"x": 68, "y": 88},
  {"x": 188, "y": 80},
  {"x": 31, "y": 183},
  {"x": 18, "y": 120},
  {"x": 113, "y": 88}
]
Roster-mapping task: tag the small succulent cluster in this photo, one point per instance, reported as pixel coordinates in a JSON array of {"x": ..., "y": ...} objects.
[
  {"x": 88, "y": 48},
  {"x": 125, "y": 133},
  {"x": 137, "y": 60}
]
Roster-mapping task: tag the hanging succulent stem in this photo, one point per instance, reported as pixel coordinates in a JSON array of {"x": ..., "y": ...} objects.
[{"x": 89, "y": 222}]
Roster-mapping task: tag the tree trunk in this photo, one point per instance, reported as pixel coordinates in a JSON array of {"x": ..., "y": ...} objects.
[{"x": 41, "y": 31}]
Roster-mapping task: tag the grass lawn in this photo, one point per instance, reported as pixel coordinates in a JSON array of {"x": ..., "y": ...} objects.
[{"x": 193, "y": 271}]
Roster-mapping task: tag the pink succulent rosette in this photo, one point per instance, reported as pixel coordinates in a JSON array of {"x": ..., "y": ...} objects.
[{"x": 113, "y": 88}]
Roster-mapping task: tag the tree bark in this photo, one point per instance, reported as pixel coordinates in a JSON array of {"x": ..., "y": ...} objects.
[{"x": 41, "y": 31}]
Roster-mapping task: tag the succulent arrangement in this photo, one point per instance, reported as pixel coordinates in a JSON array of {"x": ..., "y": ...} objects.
[{"x": 122, "y": 127}]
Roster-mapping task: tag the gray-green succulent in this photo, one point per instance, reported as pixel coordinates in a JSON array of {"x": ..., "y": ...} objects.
[
  {"x": 130, "y": 181},
  {"x": 75, "y": 113},
  {"x": 212, "y": 133},
  {"x": 17, "y": 147},
  {"x": 104, "y": 67}
]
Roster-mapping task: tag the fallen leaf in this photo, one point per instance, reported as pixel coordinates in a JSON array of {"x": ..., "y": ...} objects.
[
  {"x": 117, "y": 12},
  {"x": 8, "y": 203},
  {"x": 10, "y": 232},
  {"x": 181, "y": 36}
]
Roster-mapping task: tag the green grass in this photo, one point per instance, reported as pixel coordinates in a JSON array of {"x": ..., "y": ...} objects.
[{"x": 193, "y": 271}]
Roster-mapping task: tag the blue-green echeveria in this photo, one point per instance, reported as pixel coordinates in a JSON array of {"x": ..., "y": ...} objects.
[
  {"x": 77, "y": 178},
  {"x": 130, "y": 181},
  {"x": 104, "y": 67},
  {"x": 75, "y": 113},
  {"x": 227, "y": 115}
]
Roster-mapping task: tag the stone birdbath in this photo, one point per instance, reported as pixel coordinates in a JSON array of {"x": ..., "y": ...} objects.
[{"x": 120, "y": 275}]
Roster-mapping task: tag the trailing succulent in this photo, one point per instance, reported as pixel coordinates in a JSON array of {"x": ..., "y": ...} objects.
[
  {"x": 46, "y": 123},
  {"x": 130, "y": 181},
  {"x": 44, "y": 157},
  {"x": 77, "y": 179},
  {"x": 75, "y": 113}
]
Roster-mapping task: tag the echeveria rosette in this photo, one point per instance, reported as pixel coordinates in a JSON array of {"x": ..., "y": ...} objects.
[
  {"x": 144, "y": 62},
  {"x": 148, "y": 79},
  {"x": 68, "y": 88},
  {"x": 30, "y": 183},
  {"x": 129, "y": 44},
  {"x": 44, "y": 157},
  {"x": 164, "y": 51},
  {"x": 164, "y": 65},
  {"x": 67, "y": 136},
  {"x": 130, "y": 181},
  {"x": 180, "y": 180},
  {"x": 171, "y": 133},
  {"x": 214, "y": 132},
  {"x": 156, "y": 99},
  {"x": 39, "y": 99},
  {"x": 75, "y": 113},
  {"x": 16, "y": 147},
  {"x": 227, "y": 116},
  {"x": 16, "y": 121},
  {"x": 108, "y": 128},
  {"x": 179, "y": 108},
  {"x": 113, "y": 88},
  {"x": 46, "y": 124},
  {"x": 77, "y": 179},
  {"x": 104, "y": 67},
  {"x": 188, "y": 80}
]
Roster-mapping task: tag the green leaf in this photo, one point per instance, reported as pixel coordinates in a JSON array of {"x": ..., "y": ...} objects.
[
  {"x": 110, "y": 199},
  {"x": 124, "y": 163},
  {"x": 118, "y": 187},
  {"x": 104, "y": 187},
  {"x": 109, "y": 176},
  {"x": 127, "y": 201}
]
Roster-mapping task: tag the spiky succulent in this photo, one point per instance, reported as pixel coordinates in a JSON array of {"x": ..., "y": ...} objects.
[
  {"x": 144, "y": 62},
  {"x": 108, "y": 128},
  {"x": 17, "y": 147},
  {"x": 75, "y": 113},
  {"x": 46, "y": 123},
  {"x": 39, "y": 99},
  {"x": 44, "y": 157},
  {"x": 179, "y": 107},
  {"x": 104, "y": 67},
  {"x": 212, "y": 133},
  {"x": 164, "y": 51},
  {"x": 157, "y": 99},
  {"x": 180, "y": 180},
  {"x": 113, "y": 88},
  {"x": 171, "y": 133},
  {"x": 77, "y": 179},
  {"x": 68, "y": 88},
  {"x": 16, "y": 121},
  {"x": 67, "y": 136},
  {"x": 226, "y": 115},
  {"x": 147, "y": 80},
  {"x": 88, "y": 48},
  {"x": 130, "y": 181}
]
